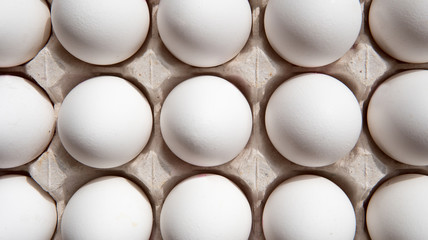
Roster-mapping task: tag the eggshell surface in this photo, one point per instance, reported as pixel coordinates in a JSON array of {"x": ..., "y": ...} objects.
[
  {"x": 105, "y": 122},
  {"x": 204, "y": 33},
  {"x": 107, "y": 208},
  {"x": 101, "y": 32},
  {"x": 312, "y": 33},
  {"x": 206, "y": 121},
  {"x": 308, "y": 207},
  {"x": 397, "y": 209},
  {"x": 397, "y": 117},
  {"x": 400, "y": 29},
  {"x": 27, "y": 212},
  {"x": 27, "y": 121},
  {"x": 25, "y": 28},
  {"x": 313, "y": 119},
  {"x": 208, "y": 207}
]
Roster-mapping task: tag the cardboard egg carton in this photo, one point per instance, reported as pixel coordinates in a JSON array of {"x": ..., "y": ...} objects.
[{"x": 257, "y": 71}]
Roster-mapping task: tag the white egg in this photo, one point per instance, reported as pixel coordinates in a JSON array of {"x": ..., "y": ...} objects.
[
  {"x": 400, "y": 28},
  {"x": 27, "y": 212},
  {"x": 308, "y": 207},
  {"x": 25, "y": 28},
  {"x": 397, "y": 117},
  {"x": 204, "y": 33},
  {"x": 313, "y": 120},
  {"x": 398, "y": 209},
  {"x": 27, "y": 121},
  {"x": 105, "y": 122},
  {"x": 101, "y": 32},
  {"x": 312, "y": 33},
  {"x": 107, "y": 208},
  {"x": 208, "y": 207},
  {"x": 206, "y": 121}
]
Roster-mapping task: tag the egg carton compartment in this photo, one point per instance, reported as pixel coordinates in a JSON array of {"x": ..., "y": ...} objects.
[{"x": 257, "y": 71}]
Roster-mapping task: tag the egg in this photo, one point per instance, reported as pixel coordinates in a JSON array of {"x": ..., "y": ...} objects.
[
  {"x": 107, "y": 208},
  {"x": 312, "y": 33},
  {"x": 400, "y": 29},
  {"x": 25, "y": 28},
  {"x": 206, "y": 121},
  {"x": 104, "y": 122},
  {"x": 27, "y": 121},
  {"x": 27, "y": 212},
  {"x": 205, "y": 206},
  {"x": 313, "y": 119},
  {"x": 397, "y": 209},
  {"x": 101, "y": 32},
  {"x": 204, "y": 33},
  {"x": 397, "y": 117},
  {"x": 308, "y": 207}
]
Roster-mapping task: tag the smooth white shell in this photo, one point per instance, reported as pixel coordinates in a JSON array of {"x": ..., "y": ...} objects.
[
  {"x": 308, "y": 207},
  {"x": 104, "y": 122},
  {"x": 27, "y": 121},
  {"x": 101, "y": 32},
  {"x": 312, "y": 33},
  {"x": 25, "y": 28},
  {"x": 27, "y": 212},
  {"x": 400, "y": 28},
  {"x": 313, "y": 119},
  {"x": 208, "y": 207},
  {"x": 204, "y": 33},
  {"x": 398, "y": 209},
  {"x": 397, "y": 117},
  {"x": 206, "y": 121},
  {"x": 107, "y": 208}
]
